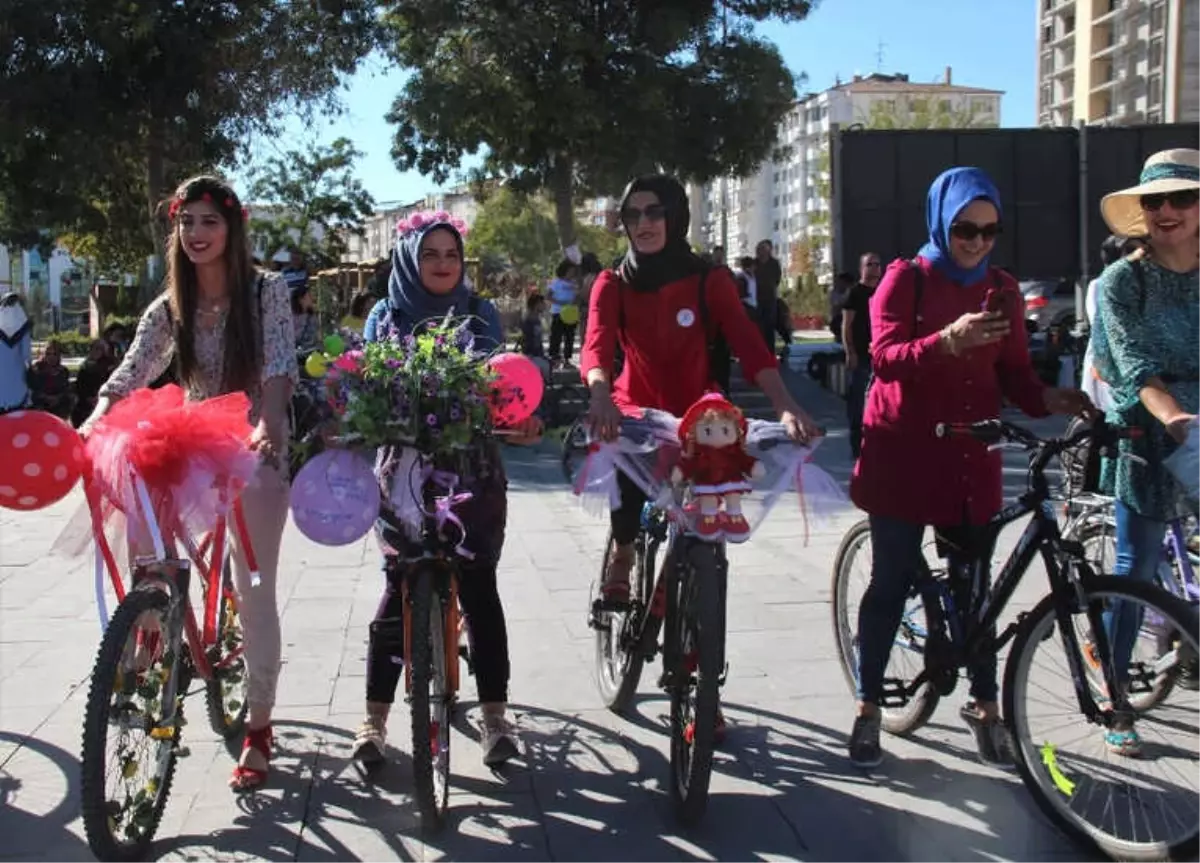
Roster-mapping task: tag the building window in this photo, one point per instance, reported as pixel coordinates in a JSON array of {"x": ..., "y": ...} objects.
[
  {"x": 1157, "y": 17},
  {"x": 1047, "y": 34},
  {"x": 1068, "y": 25},
  {"x": 1154, "y": 88},
  {"x": 1047, "y": 63},
  {"x": 1154, "y": 117},
  {"x": 1156, "y": 52}
]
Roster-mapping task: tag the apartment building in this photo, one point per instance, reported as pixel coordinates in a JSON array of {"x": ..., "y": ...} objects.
[
  {"x": 380, "y": 230},
  {"x": 1118, "y": 61},
  {"x": 788, "y": 200}
]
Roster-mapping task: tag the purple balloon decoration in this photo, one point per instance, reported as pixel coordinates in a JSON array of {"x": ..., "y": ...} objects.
[{"x": 335, "y": 498}]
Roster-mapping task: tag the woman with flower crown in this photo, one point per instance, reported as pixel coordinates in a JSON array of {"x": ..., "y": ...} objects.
[
  {"x": 228, "y": 329},
  {"x": 427, "y": 285}
]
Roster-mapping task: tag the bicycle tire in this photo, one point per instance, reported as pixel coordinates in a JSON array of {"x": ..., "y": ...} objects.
[
  {"x": 93, "y": 801},
  {"x": 1038, "y": 625},
  {"x": 701, "y": 603},
  {"x": 226, "y": 724},
  {"x": 899, "y": 722},
  {"x": 425, "y": 618},
  {"x": 1091, "y": 530},
  {"x": 618, "y": 687}
]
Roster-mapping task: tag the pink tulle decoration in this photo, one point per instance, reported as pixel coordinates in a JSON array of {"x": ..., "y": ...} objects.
[{"x": 192, "y": 456}]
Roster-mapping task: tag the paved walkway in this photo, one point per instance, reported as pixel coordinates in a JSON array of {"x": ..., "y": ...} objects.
[{"x": 591, "y": 785}]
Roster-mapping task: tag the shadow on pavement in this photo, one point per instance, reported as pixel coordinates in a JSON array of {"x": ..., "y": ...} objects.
[{"x": 24, "y": 834}]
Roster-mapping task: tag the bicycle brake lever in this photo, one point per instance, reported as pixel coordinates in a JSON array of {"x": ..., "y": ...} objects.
[
  {"x": 1005, "y": 445},
  {"x": 1137, "y": 459}
]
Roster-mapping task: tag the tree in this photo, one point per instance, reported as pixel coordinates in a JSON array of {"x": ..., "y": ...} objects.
[
  {"x": 519, "y": 229},
  {"x": 103, "y": 106},
  {"x": 308, "y": 191},
  {"x": 576, "y": 96}
]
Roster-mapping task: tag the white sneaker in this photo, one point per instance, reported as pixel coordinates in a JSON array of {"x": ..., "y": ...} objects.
[
  {"x": 370, "y": 742},
  {"x": 499, "y": 740}
]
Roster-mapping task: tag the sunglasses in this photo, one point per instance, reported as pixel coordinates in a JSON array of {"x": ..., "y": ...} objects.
[
  {"x": 653, "y": 213},
  {"x": 970, "y": 230},
  {"x": 1184, "y": 199}
]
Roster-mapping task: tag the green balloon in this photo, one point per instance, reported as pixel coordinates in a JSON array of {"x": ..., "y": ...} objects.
[{"x": 334, "y": 345}]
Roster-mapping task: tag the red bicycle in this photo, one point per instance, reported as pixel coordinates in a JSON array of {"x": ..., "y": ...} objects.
[{"x": 152, "y": 650}]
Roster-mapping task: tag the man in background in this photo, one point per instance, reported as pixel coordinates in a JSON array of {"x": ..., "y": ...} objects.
[
  {"x": 856, "y": 338},
  {"x": 767, "y": 276}
]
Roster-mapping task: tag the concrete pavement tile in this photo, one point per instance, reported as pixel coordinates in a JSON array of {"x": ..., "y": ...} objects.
[{"x": 315, "y": 615}]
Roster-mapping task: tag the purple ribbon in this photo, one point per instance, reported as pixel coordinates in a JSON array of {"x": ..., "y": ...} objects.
[{"x": 443, "y": 506}]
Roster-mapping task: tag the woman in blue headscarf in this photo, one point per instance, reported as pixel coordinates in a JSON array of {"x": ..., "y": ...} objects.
[
  {"x": 948, "y": 345},
  {"x": 426, "y": 285}
]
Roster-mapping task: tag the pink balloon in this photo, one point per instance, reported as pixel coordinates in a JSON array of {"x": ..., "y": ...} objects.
[
  {"x": 518, "y": 388},
  {"x": 335, "y": 498},
  {"x": 42, "y": 459}
]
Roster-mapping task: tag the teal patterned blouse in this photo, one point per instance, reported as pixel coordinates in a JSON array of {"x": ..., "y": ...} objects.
[{"x": 1147, "y": 325}]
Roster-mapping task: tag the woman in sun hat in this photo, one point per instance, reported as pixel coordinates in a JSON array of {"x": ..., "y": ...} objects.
[{"x": 1146, "y": 336}]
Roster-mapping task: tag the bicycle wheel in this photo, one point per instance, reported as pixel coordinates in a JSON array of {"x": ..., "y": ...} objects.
[
  {"x": 619, "y": 656},
  {"x": 225, "y": 693},
  {"x": 1099, "y": 539},
  {"x": 696, "y": 625},
  {"x": 133, "y": 666},
  {"x": 430, "y": 698},
  {"x": 1104, "y": 800},
  {"x": 851, "y": 574}
]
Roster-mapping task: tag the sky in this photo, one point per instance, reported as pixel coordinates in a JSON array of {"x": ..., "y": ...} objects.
[{"x": 987, "y": 43}]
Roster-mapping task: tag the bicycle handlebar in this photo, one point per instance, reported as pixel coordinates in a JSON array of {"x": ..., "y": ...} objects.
[{"x": 996, "y": 431}]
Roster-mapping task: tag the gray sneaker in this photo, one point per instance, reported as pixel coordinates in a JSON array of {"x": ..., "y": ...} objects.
[
  {"x": 991, "y": 738},
  {"x": 864, "y": 742},
  {"x": 499, "y": 740}
]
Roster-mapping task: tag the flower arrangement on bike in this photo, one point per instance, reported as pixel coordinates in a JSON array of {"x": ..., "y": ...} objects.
[
  {"x": 423, "y": 359},
  {"x": 948, "y": 344},
  {"x": 652, "y": 307},
  {"x": 228, "y": 330}
]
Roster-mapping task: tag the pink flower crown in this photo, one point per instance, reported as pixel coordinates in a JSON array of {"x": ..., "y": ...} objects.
[{"x": 417, "y": 221}]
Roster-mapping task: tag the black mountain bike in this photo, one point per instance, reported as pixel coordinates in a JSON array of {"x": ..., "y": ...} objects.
[
  {"x": 685, "y": 600},
  {"x": 1100, "y": 800}
]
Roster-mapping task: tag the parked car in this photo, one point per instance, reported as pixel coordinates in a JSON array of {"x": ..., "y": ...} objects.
[{"x": 1048, "y": 304}]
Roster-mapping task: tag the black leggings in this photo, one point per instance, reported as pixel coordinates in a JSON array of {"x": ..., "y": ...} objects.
[
  {"x": 484, "y": 516},
  {"x": 627, "y": 520},
  {"x": 562, "y": 339}
]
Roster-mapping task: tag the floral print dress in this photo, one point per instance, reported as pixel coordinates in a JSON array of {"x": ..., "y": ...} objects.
[
  {"x": 153, "y": 348},
  {"x": 1148, "y": 325}
]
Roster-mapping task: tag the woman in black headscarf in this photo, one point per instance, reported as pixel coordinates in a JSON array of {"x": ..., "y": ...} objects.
[{"x": 651, "y": 305}]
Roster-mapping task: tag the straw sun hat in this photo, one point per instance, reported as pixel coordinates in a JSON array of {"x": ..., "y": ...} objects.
[{"x": 1168, "y": 171}]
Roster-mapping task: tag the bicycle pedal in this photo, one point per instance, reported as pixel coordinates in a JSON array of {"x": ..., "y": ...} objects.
[
  {"x": 893, "y": 693},
  {"x": 182, "y": 751}
]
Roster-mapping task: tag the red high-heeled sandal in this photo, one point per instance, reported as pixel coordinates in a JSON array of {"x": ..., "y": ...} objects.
[{"x": 248, "y": 778}]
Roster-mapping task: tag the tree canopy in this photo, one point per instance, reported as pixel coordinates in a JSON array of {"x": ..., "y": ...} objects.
[
  {"x": 315, "y": 198},
  {"x": 517, "y": 230},
  {"x": 576, "y": 96},
  {"x": 105, "y": 106}
]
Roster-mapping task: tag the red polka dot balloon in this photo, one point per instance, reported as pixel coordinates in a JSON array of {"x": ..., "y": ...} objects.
[{"x": 42, "y": 456}]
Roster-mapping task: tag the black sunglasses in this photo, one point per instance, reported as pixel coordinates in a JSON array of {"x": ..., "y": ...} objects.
[
  {"x": 970, "y": 230},
  {"x": 653, "y": 213},
  {"x": 1184, "y": 199}
]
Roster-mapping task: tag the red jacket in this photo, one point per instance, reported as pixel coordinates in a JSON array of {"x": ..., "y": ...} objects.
[
  {"x": 905, "y": 472},
  {"x": 666, "y": 353}
]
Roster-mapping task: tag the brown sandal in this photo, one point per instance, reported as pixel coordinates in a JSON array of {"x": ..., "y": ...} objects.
[{"x": 615, "y": 588}]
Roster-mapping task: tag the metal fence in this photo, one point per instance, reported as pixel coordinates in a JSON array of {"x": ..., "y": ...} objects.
[{"x": 1050, "y": 181}]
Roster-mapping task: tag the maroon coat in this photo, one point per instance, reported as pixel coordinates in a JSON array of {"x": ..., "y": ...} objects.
[{"x": 905, "y": 471}]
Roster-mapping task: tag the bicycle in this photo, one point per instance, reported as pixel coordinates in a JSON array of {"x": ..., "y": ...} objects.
[
  {"x": 151, "y": 651},
  {"x": 430, "y": 631},
  {"x": 1091, "y": 522},
  {"x": 950, "y": 623},
  {"x": 685, "y": 601}
]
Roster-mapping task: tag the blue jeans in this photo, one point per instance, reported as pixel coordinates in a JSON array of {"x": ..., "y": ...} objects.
[
  {"x": 897, "y": 559},
  {"x": 856, "y": 397},
  {"x": 1139, "y": 552}
]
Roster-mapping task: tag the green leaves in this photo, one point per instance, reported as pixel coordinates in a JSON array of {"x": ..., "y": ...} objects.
[
  {"x": 578, "y": 95},
  {"x": 316, "y": 197}
]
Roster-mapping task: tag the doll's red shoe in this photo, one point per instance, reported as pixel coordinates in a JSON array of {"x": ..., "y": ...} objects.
[
  {"x": 735, "y": 527},
  {"x": 708, "y": 526}
]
